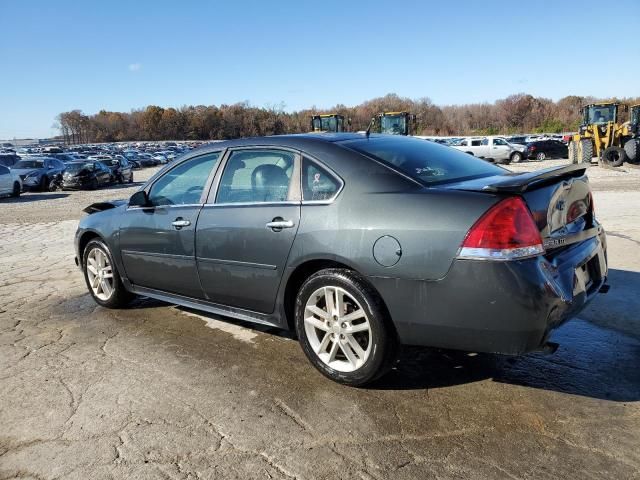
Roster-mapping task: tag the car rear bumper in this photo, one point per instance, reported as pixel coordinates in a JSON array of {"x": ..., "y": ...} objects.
[{"x": 498, "y": 307}]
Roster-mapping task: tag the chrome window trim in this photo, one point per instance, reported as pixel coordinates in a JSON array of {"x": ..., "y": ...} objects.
[
  {"x": 324, "y": 166},
  {"x": 251, "y": 204},
  {"x": 164, "y": 171},
  {"x": 210, "y": 201}
]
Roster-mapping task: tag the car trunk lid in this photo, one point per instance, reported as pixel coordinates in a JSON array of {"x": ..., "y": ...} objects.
[{"x": 559, "y": 199}]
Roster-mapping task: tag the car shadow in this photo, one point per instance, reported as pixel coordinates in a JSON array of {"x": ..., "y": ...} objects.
[
  {"x": 595, "y": 359},
  {"x": 35, "y": 197}
]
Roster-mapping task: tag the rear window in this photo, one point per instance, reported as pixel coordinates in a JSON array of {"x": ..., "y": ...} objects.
[{"x": 427, "y": 162}]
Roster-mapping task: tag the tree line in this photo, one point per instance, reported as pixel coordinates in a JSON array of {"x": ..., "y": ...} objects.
[{"x": 519, "y": 113}]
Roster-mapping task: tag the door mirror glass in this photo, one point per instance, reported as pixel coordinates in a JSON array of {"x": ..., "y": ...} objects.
[{"x": 139, "y": 199}]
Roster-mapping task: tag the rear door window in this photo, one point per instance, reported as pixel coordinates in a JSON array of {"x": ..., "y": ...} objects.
[{"x": 256, "y": 176}]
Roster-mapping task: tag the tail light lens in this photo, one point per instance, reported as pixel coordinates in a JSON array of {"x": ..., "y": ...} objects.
[{"x": 505, "y": 232}]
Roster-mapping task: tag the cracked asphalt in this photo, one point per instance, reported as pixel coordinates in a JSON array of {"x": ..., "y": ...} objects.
[{"x": 156, "y": 391}]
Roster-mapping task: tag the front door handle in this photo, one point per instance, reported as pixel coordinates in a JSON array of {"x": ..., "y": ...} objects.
[
  {"x": 179, "y": 222},
  {"x": 278, "y": 224}
]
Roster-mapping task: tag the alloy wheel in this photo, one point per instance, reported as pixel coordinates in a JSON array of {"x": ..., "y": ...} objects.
[
  {"x": 338, "y": 329},
  {"x": 100, "y": 274}
]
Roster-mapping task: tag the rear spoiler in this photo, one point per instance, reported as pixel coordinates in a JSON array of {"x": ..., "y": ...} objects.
[{"x": 526, "y": 181}]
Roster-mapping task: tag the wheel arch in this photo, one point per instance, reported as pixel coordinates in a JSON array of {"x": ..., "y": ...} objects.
[
  {"x": 83, "y": 241},
  {"x": 303, "y": 271}
]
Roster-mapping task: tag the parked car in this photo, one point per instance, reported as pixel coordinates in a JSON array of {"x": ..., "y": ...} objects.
[
  {"x": 160, "y": 158},
  {"x": 9, "y": 159},
  {"x": 90, "y": 174},
  {"x": 37, "y": 172},
  {"x": 303, "y": 232},
  {"x": 496, "y": 149},
  {"x": 121, "y": 169},
  {"x": 544, "y": 149},
  {"x": 64, "y": 157},
  {"x": 518, "y": 139},
  {"x": 10, "y": 183}
]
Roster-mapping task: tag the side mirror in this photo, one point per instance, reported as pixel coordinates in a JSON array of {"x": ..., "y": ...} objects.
[{"x": 139, "y": 199}]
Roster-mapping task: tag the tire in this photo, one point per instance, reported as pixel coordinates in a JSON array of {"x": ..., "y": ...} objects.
[
  {"x": 15, "y": 193},
  {"x": 585, "y": 151},
  {"x": 131, "y": 178},
  {"x": 94, "y": 184},
  {"x": 375, "y": 342},
  {"x": 44, "y": 184},
  {"x": 614, "y": 156},
  {"x": 632, "y": 149},
  {"x": 516, "y": 157},
  {"x": 573, "y": 152},
  {"x": 120, "y": 179},
  {"x": 117, "y": 296},
  {"x": 540, "y": 156}
]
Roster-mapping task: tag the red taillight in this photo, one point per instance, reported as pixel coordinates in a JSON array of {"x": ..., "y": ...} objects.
[
  {"x": 532, "y": 148},
  {"x": 505, "y": 232}
]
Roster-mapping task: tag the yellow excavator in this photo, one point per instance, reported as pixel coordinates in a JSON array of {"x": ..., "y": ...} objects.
[
  {"x": 396, "y": 123},
  {"x": 603, "y": 136},
  {"x": 330, "y": 122}
]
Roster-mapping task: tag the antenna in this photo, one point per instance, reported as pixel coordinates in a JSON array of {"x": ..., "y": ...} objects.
[{"x": 368, "y": 132}]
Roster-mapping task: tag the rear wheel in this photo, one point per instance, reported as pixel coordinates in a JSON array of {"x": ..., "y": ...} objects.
[
  {"x": 131, "y": 178},
  {"x": 632, "y": 148},
  {"x": 102, "y": 277},
  {"x": 540, "y": 156},
  {"x": 614, "y": 156},
  {"x": 94, "y": 184},
  {"x": 16, "y": 190},
  {"x": 585, "y": 151},
  {"x": 343, "y": 327},
  {"x": 44, "y": 184}
]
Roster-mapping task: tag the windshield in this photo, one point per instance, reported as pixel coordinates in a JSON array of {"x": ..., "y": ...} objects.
[
  {"x": 29, "y": 164},
  {"x": 76, "y": 167},
  {"x": 393, "y": 124},
  {"x": 635, "y": 115},
  {"x": 602, "y": 114},
  {"x": 327, "y": 124},
  {"x": 427, "y": 162}
]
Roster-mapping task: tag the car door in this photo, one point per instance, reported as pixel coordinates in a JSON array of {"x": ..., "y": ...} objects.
[
  {"x": 157, "y": 242},
  {"x": 247, "y": 228},
  {"x": 500, "y": 149}
]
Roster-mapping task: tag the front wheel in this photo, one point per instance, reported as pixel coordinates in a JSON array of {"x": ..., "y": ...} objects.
[
  {"x": 102, "y": 277},
  {"x": 614, "y": 156},
  {"x": 15, "y": 193},
  {"x": 343, "y": 327},
  {"x": 540, "y": 156},
  {"x": 516, "y": 157}
]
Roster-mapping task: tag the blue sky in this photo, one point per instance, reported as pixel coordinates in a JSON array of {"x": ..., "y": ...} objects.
[{"x": 119, "y": 55}]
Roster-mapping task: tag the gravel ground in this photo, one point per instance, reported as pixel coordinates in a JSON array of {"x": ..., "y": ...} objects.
[{"x": 157, "y": 391}]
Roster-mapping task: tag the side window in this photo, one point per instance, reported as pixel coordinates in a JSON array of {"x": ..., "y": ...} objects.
[
  {"x": 183, "y": 185},
  {"x": 476, "y": 143},
  {"x": 256, "y": 176},
  {"x": 317, "y": 183},
  {"x": 485, "y": 141},
  {"x": 4, "y": 170},
  {"x": 498, "y": 141}
]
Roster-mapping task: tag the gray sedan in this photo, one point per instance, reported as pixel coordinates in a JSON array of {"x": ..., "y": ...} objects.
[{"x": 357, "y": 243}]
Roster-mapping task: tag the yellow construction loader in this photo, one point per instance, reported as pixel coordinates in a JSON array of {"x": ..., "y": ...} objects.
[
  {"x": 396, "y": 123},
  {"x": 603, "y": 136},
  {"x": 330, "y": 122}
]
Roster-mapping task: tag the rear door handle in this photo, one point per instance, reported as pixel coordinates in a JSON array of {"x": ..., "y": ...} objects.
[
  {"x": 179, "y": 222},
  {"x": 278, "y": 224}
]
